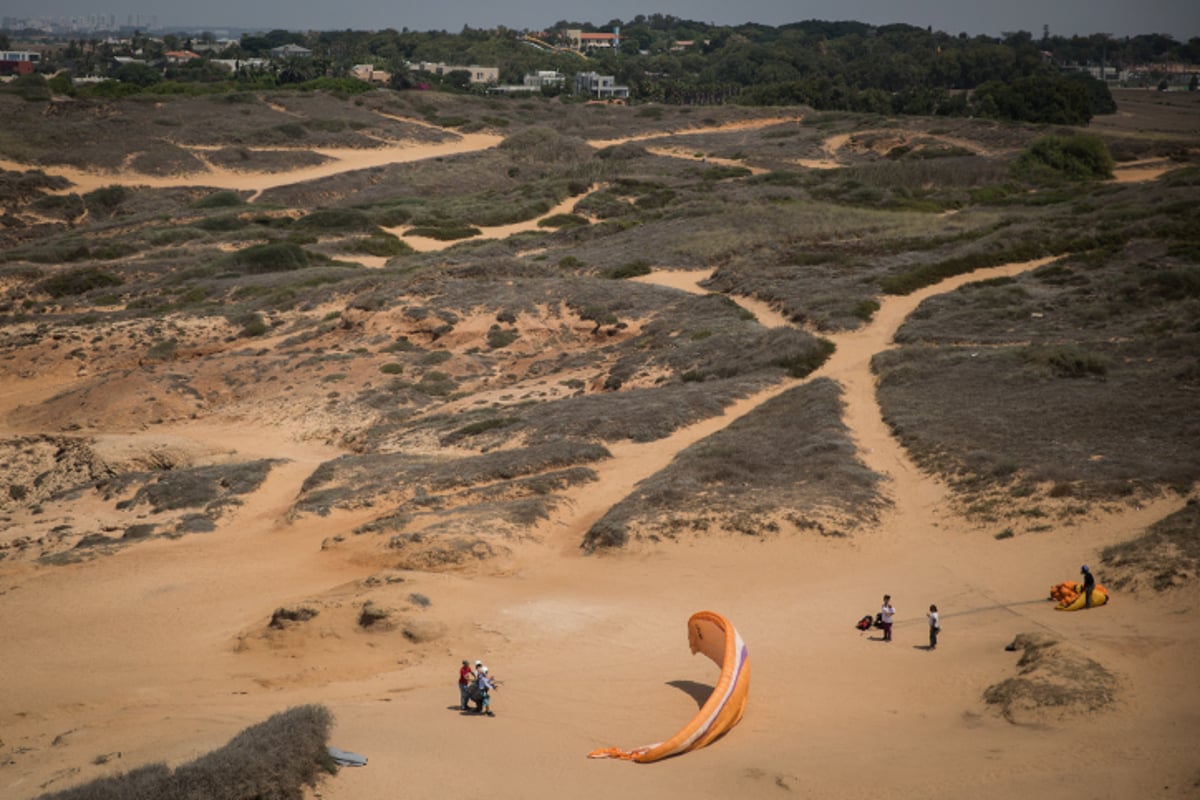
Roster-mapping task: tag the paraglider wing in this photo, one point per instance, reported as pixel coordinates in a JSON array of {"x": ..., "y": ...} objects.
[{"x": 714, "y": 636}]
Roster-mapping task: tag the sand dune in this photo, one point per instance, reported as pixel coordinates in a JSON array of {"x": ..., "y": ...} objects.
[{"x": 162, "y": 652}]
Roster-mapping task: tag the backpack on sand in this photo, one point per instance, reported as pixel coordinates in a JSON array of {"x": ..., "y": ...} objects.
[{"x": 864, "y": 624}]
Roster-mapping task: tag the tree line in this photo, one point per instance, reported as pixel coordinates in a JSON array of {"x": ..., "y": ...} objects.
[{"x": 899, "y": 68}]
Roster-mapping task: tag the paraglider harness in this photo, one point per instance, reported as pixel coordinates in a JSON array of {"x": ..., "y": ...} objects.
[{"x": 866, "y": 623}]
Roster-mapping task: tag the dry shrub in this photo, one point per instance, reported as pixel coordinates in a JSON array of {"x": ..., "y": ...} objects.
[
  {"x": 272, "y": 760},
  {"x": 283, "y": 617},
  {"x": 1165, "y": 556},
  {"x": 1054, "y": 681},
  {"x": 792, "y": 452}
]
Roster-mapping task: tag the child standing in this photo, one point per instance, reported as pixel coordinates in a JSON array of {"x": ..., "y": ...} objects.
[
  {"x": 485, "y": 688},
  {"x": 885, "y": 617},
  {"x": 934, "y": 627}
]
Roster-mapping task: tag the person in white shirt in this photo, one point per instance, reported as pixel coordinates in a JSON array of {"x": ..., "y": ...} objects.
[
  {"x": 485, "y": 690},
  {"x": 885, "y": 617},
  {"x": 935, "y": 627}
]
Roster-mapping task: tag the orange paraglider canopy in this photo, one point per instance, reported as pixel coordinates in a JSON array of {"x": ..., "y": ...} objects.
[{"x": 715, "y": 636}]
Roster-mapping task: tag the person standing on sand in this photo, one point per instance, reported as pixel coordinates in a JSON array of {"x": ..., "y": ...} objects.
[
  {"x": 934, "y": 627},
  {"x": 885, "y": 617},
  {"x": 1089, "y": 583},
  {"x": 485, "y": 691},
  {"x": 465, "y": 676}
]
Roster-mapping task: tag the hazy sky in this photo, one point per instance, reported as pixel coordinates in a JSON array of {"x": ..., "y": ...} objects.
[{"x": 1180, "y": 18}]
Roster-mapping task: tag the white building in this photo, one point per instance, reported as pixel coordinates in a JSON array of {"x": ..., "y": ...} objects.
[{"x": 601, "y": 86}]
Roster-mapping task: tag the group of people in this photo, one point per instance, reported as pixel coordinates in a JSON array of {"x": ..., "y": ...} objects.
[
  {"x": 475, "y": 685},
  {"x": 888, "y": 612}
]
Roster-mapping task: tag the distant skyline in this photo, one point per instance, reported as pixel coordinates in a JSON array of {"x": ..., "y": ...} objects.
[{"x": 1179, "y": 18}]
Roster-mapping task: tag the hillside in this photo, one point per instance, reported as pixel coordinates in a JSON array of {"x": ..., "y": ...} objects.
[{"x": 538, "y": 389}]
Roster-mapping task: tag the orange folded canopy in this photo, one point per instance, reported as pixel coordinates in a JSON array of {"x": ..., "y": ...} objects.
[{"x": 715, "y": 636}]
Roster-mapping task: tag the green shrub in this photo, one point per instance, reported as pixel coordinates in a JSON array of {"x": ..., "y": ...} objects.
[
  {"x": 563, "y": 221},
  {"x": 658, "y": 198},
  {"x": 380, "y": 244},
  {"x": 79, "y": 281},
  {"x": 392, "y": 368},
  {"x": 498, "y": 338},
  {"x": 435, "y": 383},
  {"x": 169, "y": 236},
  {"x": 1080, "y": 156},
  {"x": 336, "y": 219},
  {"x": 1068, "y": 361},
  {"x": 445, "y": 233},
  {"x": 292, "y": 130},
  {"x": 222, "y": 223},
  {"x": 271, "y": 257},
  {"x": 104, "y": 201},
  {"x": 391, "y": 217},
  {"x": 985, "y": 195},
  {"x": 401, "y": 345},
  {"x": 253, "y": 325},
  {"x": 65, "y": 205},
  {"x": 110, "y": 251},
  {"x": 225, "y": 199},
  {"x": 336, "y": 86},
  {"x": 630, "y": 270},
  {"x": 435, "y": 357},
  {"x": 32, "y": 87},
  {"x": 800, "y": 364},
  {"x": 721, "y": 172},
  {"x": 1173, "y": 284},
  {"x": 865, "y": 309}
]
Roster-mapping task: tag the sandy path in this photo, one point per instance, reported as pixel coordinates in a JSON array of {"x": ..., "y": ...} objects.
[
  {"x": 345, "y": 159},
  {"x": 341, "y": 160},
  {"x": 749, "y": 124},
  {"x": 425, "y": 244},
  {"x": 703, "y": 158},
  {"x": 1149, "y": 169}
]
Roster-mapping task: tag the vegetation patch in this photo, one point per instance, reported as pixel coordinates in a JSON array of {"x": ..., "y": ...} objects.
[
  {"x": 79, "y": 281},
  {"x": 223, "y": 199},
  {"x": 263, "y": 258},
  {"x": 1077, "y": 157},
  {"x": 336, "y": 219},
  {"x": 273, "y": 760},
  {"x": 1166, "y": 556},
  {"x": 445, "y": 233},
  {"x": 1054, "y": 681},
  {"x": 790, "y": 453},
  {"x": 209, "y": 487}
]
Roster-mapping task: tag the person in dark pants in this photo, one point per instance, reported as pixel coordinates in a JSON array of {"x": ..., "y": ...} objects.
[
  {"x": 935, "y": 627},
  {"x": 885, "y": 616},
  {"x": 1089, "y": 583},
  {"x": 465, "y": 676}
]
